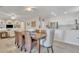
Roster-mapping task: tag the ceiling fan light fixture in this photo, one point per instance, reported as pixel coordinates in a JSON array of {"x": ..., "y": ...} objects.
[
  {"x": 65, "y": 12},
  {"x": 13, "y": 16},
  {"x": 28, "y": 9},
  {"x": 53, "y": 13}
]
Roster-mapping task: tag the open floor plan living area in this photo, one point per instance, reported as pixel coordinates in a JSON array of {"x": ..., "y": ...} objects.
[{"x": 39, "y": 29}]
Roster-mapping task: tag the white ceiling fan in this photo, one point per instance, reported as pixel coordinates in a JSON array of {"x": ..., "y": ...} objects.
[{"x": 29, "y": 8}]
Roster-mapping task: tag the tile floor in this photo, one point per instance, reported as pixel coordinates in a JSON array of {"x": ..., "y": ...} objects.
[{"x": 8, "y": 46}]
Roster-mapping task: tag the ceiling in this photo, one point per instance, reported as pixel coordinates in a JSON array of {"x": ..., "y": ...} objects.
[{"x": 43, "y": 11}]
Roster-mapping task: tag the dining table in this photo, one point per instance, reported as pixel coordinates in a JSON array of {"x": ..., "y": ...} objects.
[{"x": 38, "y": 35}]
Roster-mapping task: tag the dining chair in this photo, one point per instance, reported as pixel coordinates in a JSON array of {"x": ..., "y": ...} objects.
[
  {"x": 16, "y": 38},
  {"x": 23, "y": 40},
  {"x": 28, "y": 42},
  {"x": 19, "y": 39},
  {"x": 48, "y": 41}
]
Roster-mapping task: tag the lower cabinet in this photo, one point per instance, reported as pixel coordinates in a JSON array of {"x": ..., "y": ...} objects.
[
  {"x": 72, "y": 37},
  {"x": 3, "y": 34},
  {"x": 67, "y": 36},
  {"x": 6, "y": 34}
]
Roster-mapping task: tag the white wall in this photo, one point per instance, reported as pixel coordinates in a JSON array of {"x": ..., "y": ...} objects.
[{"x": 66, "y": 19}]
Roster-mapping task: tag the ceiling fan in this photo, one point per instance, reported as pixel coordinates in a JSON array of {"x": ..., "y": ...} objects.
[{"x": 29, "y": 8}]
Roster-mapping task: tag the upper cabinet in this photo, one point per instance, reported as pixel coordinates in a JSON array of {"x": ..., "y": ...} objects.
[
  {"x": 2, "y": 24},
  {"x": 16, "y": 24}
]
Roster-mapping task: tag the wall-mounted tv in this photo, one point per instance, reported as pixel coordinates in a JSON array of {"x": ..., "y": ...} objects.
[{"x": 9, "y": 26}]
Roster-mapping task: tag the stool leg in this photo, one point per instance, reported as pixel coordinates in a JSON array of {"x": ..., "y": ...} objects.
[
  {"x": 52, "y": 49},
  {"x": 25, "y": 50},
  {"x": 21, "y": 48},
  {"x": 15, "y": 42},
  {"x": 18, "y": 46},
  {"x": 38, "y": 46},
  {"x": 30, "y": 51},
  {"x": 48, "y": 50}
]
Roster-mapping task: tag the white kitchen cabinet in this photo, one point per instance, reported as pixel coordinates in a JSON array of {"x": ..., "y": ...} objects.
[
  {"x": 67, "y": 36},
  {"x": 59, "y": 35},
  {"x": 10, "y": 33},
  {"x": 72, "y": 37}
]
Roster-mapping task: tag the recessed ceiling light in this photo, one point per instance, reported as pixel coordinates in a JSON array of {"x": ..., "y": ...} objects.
[
  {"x": 29, "y": 9},
  {"x": 13, "y": 16},
  {"x": 65, "y": 12},
  {"x": 53, "y": 13}
]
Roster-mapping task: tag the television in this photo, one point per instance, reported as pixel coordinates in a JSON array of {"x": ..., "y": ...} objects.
[{"x": 9, "y": 26}]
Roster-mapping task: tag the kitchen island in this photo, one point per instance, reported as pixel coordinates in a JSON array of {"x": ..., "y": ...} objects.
[{"x": 67, "y": 36}]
